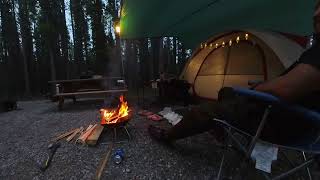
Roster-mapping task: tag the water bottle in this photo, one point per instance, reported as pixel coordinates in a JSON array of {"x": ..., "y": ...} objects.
[{"x": 118, "y": 156}]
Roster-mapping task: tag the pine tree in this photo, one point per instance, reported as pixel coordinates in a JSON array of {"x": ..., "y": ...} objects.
[
  {"x": 27, "y": 46},
  {"x": 64, "y": 39},
  {"x": 11, "y": 46},
  {"x": 99, "y": 40}
]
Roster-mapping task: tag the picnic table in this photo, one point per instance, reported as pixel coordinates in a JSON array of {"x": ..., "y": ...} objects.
[{"x": 62, "y": 89}]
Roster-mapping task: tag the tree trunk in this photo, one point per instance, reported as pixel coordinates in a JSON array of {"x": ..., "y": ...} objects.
[
  {"x": 161, "y": 56},
  {"x": 174, "y": 57},
  {"x": 11, "y": 47},
  {"x": 26, "y": 46},
  {"x": 64, "y": 40},
  {"x": 52, "y": 64},
  {"x": 99, "y": 38},
  {"x": 72, "y": 25},
  {"x": 155, "y": 43},
  {"x": 26, "y": 72},
  {"x": 144, "y": 63}
]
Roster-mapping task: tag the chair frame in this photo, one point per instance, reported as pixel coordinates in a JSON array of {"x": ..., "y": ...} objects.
[{"x": 247, "y": 150}]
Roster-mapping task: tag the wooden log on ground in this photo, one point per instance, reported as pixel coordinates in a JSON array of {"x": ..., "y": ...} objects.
[
  {"x": 74, "y": 134},
  {"x": 82, "y": 139},
  {"x": 82, "y": 132},
  {"x": 103, "y": 162},
  {"x": 93, "y": 138},
  {"x": 63, "y": 135},
  {"x": 90, "y": 126}
]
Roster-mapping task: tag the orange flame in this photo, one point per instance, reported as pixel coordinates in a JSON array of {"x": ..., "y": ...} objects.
[{"x": 113, "y": 116}]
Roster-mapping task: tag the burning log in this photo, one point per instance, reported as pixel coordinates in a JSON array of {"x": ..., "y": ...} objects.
[{"x": 113, "y": 116}]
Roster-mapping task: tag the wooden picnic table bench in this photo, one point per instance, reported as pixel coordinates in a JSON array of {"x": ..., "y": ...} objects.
[{"x": 78, "y": 87}]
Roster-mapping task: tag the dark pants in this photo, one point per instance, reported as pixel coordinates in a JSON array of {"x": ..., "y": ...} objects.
[{"x": 282, "y": 127}]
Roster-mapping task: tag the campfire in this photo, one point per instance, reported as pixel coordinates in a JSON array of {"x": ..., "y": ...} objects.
[{"x": 115, "y": 116}]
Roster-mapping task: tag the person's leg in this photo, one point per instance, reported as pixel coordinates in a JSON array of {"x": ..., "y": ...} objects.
[
  {"x": 199, "y": 120},
  {"x": 194, "y": 122}
]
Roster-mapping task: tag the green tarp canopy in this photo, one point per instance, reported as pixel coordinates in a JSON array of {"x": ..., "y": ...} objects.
[{"x": 193, "y": 21}]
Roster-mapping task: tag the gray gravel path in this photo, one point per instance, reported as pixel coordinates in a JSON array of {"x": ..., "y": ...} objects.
[{"x": 25, "y": 134}]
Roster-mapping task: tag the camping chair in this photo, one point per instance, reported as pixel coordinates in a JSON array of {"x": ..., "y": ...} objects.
[{"x": 307, "y": 145}]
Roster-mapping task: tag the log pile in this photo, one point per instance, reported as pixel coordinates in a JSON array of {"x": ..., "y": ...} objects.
[{"x": 88, "y": 136}]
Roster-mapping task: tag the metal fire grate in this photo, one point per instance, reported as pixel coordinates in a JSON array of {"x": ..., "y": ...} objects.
[{"x": 115, "y": 129}]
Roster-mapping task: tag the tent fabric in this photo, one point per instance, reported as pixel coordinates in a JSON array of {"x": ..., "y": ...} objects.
[
  {"x": 234, "y": 58},
  {"x": 194, "y": 21}
]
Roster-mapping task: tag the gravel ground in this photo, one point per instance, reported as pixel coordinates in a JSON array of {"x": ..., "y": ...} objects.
[{"x": 25, "y": 135}]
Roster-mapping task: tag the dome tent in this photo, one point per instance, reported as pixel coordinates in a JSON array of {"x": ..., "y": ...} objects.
[{"x": 234, "y": 58}]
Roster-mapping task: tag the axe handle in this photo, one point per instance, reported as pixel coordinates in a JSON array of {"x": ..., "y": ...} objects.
[{"x": 50, "y": 156}]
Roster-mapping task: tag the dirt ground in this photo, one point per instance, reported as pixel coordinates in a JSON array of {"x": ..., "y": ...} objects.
[{"x": 25, "y": 135}]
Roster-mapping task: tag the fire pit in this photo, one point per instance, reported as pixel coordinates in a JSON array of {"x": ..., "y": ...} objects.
[{"x": 117, "y": 117}]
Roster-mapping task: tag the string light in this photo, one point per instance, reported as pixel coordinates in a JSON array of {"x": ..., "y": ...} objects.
[
  {"x": 204, "y": 45},
  {"x": 247, "y": 36}
]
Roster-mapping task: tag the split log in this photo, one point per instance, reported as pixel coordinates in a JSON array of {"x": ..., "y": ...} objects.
[
  {"x": 82, "y": 132},
  {"x": 89, "y": 127},
  {"x": 93, "y": 138},
  {"x": 82, "y": 139},
  {"x": 74, "y": 134},
  {"x": 63, "y": 135}
]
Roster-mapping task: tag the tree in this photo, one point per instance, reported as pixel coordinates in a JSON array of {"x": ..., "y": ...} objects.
[
  {"x": 35, "y": 47},
  {"x": 144, "y": 59},
  {"x": 80, "y": 31},
  {"x": 53, "y": 32},
  {"x": 64, "y": 38},
  {"x": 155, "y": 44},
  {"x": 99, "y": 40},
  {"x": 27, "y": 46},
  {"x": 48, "y": 35},
  {"x": 11, "y": 46}
]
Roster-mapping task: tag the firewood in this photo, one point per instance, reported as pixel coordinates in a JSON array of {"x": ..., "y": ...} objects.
[
  {"x": 90, "y": 126},
  {"x": 74, "y": 134},
  {"x": 82, "y": 139},
  {"x": 103, "y": 162},
  {"x": 63, "y": 135},
  {"x": 113, "y": 118},
  {"x": 114, "y": 115},
  {"x": 83, "y": 131},
  {"x": 80, "y": 134},
  {"x": 93, "y": 138}
]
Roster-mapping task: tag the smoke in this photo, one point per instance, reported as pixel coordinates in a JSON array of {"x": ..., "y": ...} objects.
[{"x": 113, "y": 75}]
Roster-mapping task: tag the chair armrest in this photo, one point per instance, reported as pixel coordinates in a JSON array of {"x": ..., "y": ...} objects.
[
  {"x": 265, "y": 97},
  {"x": 268, "y": 98}
]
